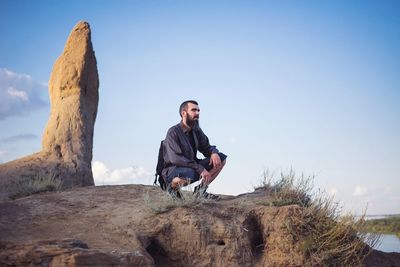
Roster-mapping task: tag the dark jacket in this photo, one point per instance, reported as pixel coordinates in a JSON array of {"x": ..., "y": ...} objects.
[{"x": 179, "y": 153}]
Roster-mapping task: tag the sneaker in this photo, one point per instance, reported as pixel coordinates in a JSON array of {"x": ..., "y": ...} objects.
[
  {"x": 210, "y": 196},
  {"x": 200, "y": 192},
  {"x": 175, "y": 194}
]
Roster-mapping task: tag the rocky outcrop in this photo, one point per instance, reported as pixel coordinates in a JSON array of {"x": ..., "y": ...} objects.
[
  {"x": 66, "y": 252},
  {"x": 68, "y": 138},
  {"x": 141, "y": 220}
]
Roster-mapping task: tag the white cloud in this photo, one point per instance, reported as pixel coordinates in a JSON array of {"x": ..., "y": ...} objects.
[
  {"x": 23, "y": 96},
  {"x": 333, "y": 191},
  {"x": 19, "y": 94},
  {"x": 360, "y": 191},
  {"x": 131, "y": 175}
]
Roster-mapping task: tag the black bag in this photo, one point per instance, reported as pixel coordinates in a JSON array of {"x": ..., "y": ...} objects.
[{"x": 160, "y": 167}]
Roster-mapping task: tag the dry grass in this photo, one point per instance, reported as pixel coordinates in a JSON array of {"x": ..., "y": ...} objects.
[
  {"x": 286, "y": 189},
  {"x": 323, "y": 235},
  {"x": 28, "y": 185},
  {"x": 164, "y": 202},
  {"x": 331, "y": 239}
]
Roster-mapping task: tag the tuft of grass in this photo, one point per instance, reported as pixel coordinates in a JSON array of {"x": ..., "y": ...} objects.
[
  {"x": 331, "y": 239},
  {"x": 323, "y": 235},
  {"x": 28, "y": 185},
  {"x": 164, "y": 202},
  {"x": 158, "y": 203},
  {"x": 286, "y": 189}
]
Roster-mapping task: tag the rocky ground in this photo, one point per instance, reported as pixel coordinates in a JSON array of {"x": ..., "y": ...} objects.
[{"x": 137, "y": 225}]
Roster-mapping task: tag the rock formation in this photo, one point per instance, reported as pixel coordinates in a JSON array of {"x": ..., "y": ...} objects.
[
  {"x": 65, "y": 252},
  {"x": 68, "y": 138},
  {"x": 136, "y": 223}
]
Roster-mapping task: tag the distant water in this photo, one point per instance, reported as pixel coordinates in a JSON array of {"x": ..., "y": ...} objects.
[
  {"x": 382, "y": 216},
  {"x": 389, "y": 243}
]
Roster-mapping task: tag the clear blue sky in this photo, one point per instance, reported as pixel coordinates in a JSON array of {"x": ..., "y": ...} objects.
[{"x": 308, "y": 85}]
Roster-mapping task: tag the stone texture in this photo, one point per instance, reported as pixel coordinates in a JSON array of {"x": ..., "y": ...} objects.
[
  {"x": 63, "y": 253},
  {"x": 137, "y": 219},
  {"x": 68, "y": 138}
]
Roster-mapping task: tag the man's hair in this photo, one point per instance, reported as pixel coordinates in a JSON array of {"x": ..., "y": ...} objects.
[{"x": 184, "y": 106}]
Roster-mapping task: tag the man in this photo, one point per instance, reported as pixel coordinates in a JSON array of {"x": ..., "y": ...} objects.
[{"x": 180, "y": 154}]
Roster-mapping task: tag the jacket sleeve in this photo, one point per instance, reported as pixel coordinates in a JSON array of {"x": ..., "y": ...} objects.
[
  {"x": 204, "y": 144},
  {"x": 174, "y": 156}
]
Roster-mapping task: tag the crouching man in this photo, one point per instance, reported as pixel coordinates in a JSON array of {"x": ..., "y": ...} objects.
[{"x": 182, "y": 167}]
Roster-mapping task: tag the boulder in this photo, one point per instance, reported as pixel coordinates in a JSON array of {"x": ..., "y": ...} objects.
[{"x": 68, "y": 138}]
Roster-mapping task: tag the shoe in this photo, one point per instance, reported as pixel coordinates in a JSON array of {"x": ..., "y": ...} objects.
[
  {"x": 175, "y": 194},
  {"x": 200, "y": 192}
]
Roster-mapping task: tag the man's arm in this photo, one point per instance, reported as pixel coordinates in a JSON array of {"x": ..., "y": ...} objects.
[
  {"x": 204, "y": 144},
  {"x": 174, "y": 154},
  {"x": 208, "y": 150}
]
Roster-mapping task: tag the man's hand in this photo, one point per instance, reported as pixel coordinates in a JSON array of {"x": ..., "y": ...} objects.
[
  {"x": 206, "y": 177},
  {"x": 215, "y": 160}
]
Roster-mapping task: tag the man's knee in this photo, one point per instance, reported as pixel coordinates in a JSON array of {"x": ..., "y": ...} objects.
[
  {"x": 179, "y": 182},
  {"x": 215, "y": 171},
  {"x": 223, "y": 157},
  {"x": 182, "y": 175},
  {"x": 222, "y": 165}
]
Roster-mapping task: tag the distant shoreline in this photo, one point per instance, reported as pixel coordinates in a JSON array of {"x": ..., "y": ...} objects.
[
  {"x": 381, "y": 216},
  {"x": 378, "y": 216},
  {"x": 388, "y": 224}
]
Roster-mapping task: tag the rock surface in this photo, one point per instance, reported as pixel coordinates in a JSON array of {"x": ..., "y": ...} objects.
[
  {"x": 134, "y": 223},
  {"x": 68, "y": 138},
  {"x": 66, "y": 252}
]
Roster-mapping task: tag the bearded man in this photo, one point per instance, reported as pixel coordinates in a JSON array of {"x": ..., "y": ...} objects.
[{"x": 182, "y": 167}]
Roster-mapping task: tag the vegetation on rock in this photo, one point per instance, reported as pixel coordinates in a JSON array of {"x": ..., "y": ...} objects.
[
  {"x": 251, "y": 229},
  {"x": 324, "y": 235},
  {"x": 28, "y": 185}
]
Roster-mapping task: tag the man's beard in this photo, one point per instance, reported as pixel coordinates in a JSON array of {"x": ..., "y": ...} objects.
[{"x": 191, "y": 122}]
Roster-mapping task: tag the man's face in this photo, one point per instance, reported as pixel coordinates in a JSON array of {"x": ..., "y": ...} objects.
[{"x": 191, "y": 114}]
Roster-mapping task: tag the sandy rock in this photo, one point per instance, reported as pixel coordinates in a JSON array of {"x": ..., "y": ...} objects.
[
  {"x": 236, "y": 231},
  {"x": 66, "y": 252},
  {"x": 68, "y": 138}
]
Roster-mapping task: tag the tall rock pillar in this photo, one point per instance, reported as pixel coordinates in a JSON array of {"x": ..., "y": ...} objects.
[
  {"x": 68, "y": 138},
  {"x": 74, "y": 97}
]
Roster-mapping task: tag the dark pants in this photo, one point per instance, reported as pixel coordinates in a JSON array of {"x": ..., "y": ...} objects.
[{"x": 189, "y": 173}]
